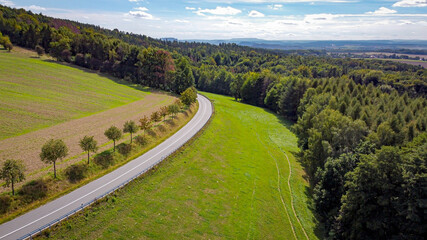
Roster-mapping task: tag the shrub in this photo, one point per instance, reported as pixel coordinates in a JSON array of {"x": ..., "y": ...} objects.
[
  {"x": 105, "y": 159},
  {"x": 34, "y": 190},
  {"x": 141, "y": 140},
  {"x": 80, "y": 60},
  {"x": 76, "y": 172},
  {"x": 189, "y": 96},
  {"x": 40, "y": 50},
  {"x": 5, "y": 202},
  {"x": 124, "y": 148}
]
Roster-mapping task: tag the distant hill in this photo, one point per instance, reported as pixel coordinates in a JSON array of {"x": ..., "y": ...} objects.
[
  {"x": 329, "y": 45},
  {"x": 170, "y": 39}
]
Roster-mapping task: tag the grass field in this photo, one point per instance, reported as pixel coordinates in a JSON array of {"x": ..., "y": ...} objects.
[
  {"x": 41, "y": 99},
  {"x": 231, "y": 182},
  {"x": 41, "y": 93}
]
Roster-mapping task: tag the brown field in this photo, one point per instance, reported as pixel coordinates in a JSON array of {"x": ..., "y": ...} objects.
[
  {"x": 389, "y": 54},
  {"x": 416, "y": 63},
  {"x": 27, "y": 147},
  {"x": 42, "y": 93}
]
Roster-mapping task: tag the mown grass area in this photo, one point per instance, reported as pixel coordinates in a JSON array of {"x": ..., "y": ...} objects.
[
  {"x": 224, "y": 184},
  {"x": 41, "y": 93}
]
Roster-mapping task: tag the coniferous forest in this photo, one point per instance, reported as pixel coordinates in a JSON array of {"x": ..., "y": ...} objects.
[{"x": 361, "y": 124}]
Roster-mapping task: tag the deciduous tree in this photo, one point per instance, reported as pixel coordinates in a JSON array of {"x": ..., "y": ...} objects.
[
  {"x": 155, "y": 117},
  {"x": 183, "y": 77},
  {"x": 173, "y": 109},
  {"x": 130, "y": 127},
  {"x": 88, "y": 144},
  {"x": 113, "y": 133},
  {"x": 40, "y": 50},
  {"x": 189, "y": 96},
  {"x": 53, "y": 150},
  {"x": 164, "y": 112},
  {"x": 144, "y": 123},
  {"x": 12, "y": 172}
]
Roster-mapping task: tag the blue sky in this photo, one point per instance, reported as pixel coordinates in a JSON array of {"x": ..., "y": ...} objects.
[{"x": 266, "y": 19}]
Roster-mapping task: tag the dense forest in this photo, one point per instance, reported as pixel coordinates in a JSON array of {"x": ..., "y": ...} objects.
[{"x": 361, "y": 124}]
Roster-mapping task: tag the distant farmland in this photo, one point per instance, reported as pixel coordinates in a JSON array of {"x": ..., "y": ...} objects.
[
  {"x": 36, "y": 93},
  {"x": 412, "y": 62}
]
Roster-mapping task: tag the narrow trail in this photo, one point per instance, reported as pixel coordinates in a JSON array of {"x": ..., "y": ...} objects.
[
  {"x": 289, "y": 186},
  {"x": 292, "y": 197},
  {"x": 281, "y": 195},
  {"x": 279, "y": 190}
]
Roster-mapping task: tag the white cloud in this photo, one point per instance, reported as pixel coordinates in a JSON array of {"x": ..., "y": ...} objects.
[
  {"x": 7, "y": 3},
  {"x": 190, "y": 8},
  {"x": 274, "y": 27},
  {"x": 36, "y": 8},
  {"x": 382, "y": 11},
  {"x": 181, "y": 21},
  {"x": 281, "y": 1},
  {"x": 141, "y": 14},
  {"x": 319, "y": 17},
  {"x": 144, "y": 9},
  {"x": 405, "y": 22},
  {"x": 411, "y": 3},
  {"x": 136, "y": 0},
  {"x": 219, "y": 11},
  {"x": 254, "y": 13},
  {"x": 275, "y": 6}
]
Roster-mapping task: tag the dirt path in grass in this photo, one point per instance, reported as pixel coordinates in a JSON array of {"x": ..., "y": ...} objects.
[
  {"x": 281, "y": 195},
  {"x": 279, "y": 176},
  {"x": 292, "y": 197},
  {"x": 279, "y": 190},
  {"x": 27, "y": 147}
]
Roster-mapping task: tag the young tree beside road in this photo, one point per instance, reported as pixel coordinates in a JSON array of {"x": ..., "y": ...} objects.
[
  {"x": 144, "y": 123},
  {"x": 130, "y": 127},
  {"x": 12, "y": 172},
  {"x": 53, "y": 150},
  {"x": 113, "y": 133},
  {"x": 88, "y": 144}
]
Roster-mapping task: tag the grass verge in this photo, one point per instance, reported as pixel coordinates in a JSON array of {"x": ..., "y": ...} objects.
[{"x": 60, "y": 186}]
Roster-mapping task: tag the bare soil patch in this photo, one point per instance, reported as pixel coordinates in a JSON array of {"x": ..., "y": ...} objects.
[{"x": 416, "y": 63}]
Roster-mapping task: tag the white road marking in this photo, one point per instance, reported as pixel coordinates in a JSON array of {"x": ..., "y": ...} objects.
[{"x": 204, "y": 111}]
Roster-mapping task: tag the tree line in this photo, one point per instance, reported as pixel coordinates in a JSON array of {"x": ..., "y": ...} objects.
[
  {"x": 150, "y": 66},
  {"x": 13, "y": 171}
]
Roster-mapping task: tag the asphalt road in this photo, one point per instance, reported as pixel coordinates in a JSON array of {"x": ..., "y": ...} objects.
[{"x": 31, "y": 221}]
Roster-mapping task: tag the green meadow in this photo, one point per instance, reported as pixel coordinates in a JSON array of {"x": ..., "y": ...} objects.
[
  {"x": 231, "y": 182},
  {"x": 41, "y": 93}
]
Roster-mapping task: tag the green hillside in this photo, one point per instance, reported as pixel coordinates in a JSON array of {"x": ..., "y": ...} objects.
[
  {"x": 40, "y": 93},
  {"x": 224, "y": 185}
]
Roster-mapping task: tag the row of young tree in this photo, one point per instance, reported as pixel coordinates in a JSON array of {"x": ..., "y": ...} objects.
[{"x": 13, "y": 171}]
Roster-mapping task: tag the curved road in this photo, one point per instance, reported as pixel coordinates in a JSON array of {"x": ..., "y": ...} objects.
[{"x": 21, "y": 226}]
